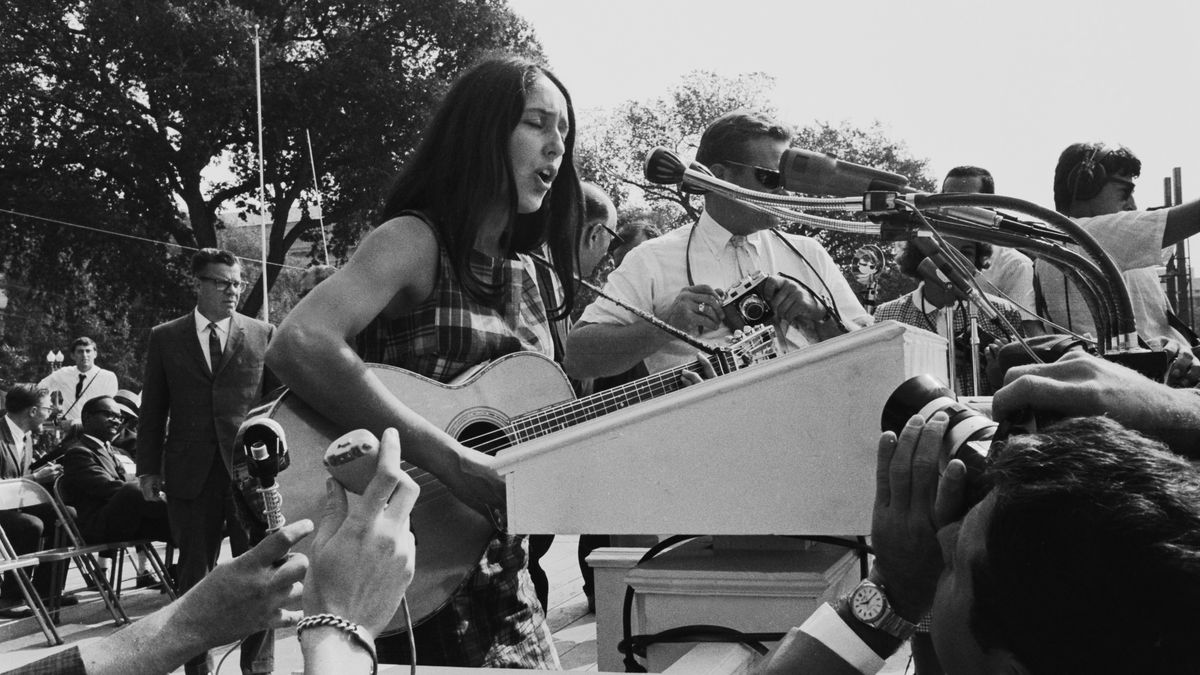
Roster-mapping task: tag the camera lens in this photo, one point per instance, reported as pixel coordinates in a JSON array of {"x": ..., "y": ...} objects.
[
  {"x": 753, "y": 308},
  {"x": 968, "y": 432}
]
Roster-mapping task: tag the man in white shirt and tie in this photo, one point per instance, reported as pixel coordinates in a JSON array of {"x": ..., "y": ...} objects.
[
  {"x": 72, "y": 386},
  {"x": 204, "y": 371},
  {"x": 681, "y": 276}
]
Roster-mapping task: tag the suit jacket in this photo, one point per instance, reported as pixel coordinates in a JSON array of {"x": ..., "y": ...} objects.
[
  {"x": 15, "y": 455},
  {"x": 91, "y": 476},
  {"x": 188, "y": 412}
]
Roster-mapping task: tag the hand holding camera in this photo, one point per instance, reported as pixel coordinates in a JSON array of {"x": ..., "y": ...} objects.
[
  {"x": 696, "y": 310},
  {"x": 760, "y": 299}
]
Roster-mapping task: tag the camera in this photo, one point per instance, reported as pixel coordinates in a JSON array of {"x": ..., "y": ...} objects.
[
  {"x": 744, "y": 304},
  {"x": 971, "y": 436}
]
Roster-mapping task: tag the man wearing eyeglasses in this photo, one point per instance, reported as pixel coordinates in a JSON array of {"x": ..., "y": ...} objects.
[
  {"x": 109, "y": 501},
  {"x": 681, "y": 277},
  {"x": 204, "y": 371}
]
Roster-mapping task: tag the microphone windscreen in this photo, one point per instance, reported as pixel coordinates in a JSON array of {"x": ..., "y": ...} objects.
[{"x": 663, "y": 167}]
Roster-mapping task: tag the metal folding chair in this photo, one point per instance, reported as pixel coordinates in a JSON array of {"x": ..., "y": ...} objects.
[
  {"x": 22, "y": 492},
  {"x": 119, "y": 550},
  {"x": 9, "y": 562}
]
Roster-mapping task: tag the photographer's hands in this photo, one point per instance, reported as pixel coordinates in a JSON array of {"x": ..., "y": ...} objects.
[
  {"x": 911, "y": 505},
  {"x": 695, "y": 311}
]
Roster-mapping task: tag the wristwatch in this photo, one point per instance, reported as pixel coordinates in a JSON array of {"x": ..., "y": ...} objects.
[{"x": 869, "y": 604}]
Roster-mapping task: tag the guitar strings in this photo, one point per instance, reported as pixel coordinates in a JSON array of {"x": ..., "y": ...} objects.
[{"x": 557, "y": 416}]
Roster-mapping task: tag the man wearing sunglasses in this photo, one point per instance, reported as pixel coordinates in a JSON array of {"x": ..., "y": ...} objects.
[
  {"x": 204, "y": 371},
  {"x": 682, "y": 276}
]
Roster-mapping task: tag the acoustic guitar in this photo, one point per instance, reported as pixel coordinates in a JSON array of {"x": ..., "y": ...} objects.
[{"x": 516, "y": 398}]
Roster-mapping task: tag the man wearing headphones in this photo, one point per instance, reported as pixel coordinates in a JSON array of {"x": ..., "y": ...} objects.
[
  {"x": 1093, "y": 183},
  {"x": 681, "y": 276}
]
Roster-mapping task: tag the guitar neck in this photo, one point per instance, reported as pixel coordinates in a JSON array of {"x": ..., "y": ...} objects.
[{"x": 568, "y": 414}]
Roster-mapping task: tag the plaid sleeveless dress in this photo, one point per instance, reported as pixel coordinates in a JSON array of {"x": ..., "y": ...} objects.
[{"x": 495, "y": 619}]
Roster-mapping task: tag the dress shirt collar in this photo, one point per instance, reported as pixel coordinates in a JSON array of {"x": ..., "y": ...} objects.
[
  {"x": 202, "y": 325},
  {"x": 95, "y": 440},
  {"x": 17, "y": 432},
  {"x": 715, "y": 237}
]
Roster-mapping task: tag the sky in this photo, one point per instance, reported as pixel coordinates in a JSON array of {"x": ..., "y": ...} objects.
[{"x": 1004, "y": 85}]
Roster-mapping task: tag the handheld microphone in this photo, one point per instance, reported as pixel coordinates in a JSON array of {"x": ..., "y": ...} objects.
[
  {"x": 265, "y": 445},
  {"x": 814, "y": 173}
]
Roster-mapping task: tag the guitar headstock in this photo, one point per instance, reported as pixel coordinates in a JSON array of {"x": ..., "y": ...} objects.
[{"x": 747, "y": 346}]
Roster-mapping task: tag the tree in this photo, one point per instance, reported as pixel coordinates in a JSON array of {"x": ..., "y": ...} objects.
[{"x": 117, "y": 114}]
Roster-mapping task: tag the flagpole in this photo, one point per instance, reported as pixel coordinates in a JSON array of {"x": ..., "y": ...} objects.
[{"x": 262, "y": 182}]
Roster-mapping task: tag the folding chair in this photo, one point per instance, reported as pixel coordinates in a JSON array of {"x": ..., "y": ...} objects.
[
  {"x": 21, "y": 492},
  {"x": 9, "y": 562},
  {"x": 119, "y": 550}
]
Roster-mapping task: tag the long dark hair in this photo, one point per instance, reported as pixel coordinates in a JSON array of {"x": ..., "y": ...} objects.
[{"x": 462, "y": 165}]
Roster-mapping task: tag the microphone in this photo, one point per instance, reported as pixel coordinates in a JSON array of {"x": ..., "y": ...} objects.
[
  {"x": 814, "y": 173},
  {"x": 943, "y": 272},
  {"x": 265, "y": 445},
  {"x": 664, "y": 167}
]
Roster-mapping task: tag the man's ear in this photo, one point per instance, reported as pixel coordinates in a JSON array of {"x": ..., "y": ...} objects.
[
  {"x": 719, "y": 170},
  {"x": 591, "y": 233}
]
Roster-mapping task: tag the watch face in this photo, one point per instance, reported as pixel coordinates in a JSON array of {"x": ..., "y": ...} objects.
[{"x": 867, "y": 603}]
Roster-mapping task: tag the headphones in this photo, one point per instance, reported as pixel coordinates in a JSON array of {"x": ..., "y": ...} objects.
[{"x": 1088, "y": 178}]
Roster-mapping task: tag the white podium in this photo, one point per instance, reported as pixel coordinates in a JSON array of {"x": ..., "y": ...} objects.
[{"x": 782, "y": 447}]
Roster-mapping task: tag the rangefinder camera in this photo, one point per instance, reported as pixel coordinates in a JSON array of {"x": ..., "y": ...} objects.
[{"x": 744, "y": 304}]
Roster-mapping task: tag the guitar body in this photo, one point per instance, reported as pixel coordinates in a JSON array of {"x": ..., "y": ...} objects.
[{"x": 451, "y": 536}]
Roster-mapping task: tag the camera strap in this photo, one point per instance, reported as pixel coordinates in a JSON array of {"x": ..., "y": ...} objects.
[{"x": 640, "y": 313}]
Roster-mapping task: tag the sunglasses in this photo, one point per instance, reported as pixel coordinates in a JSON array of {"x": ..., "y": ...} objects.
[
  {"x": 617, "y": 240},
  {"x": 768, "y": 178}
]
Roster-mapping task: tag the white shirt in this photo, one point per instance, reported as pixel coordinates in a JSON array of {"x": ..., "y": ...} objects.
[
  {"x": 652, "y": 275},
  {"x": 1134, "y": 241},
  {"x": 98, "y": 382},
  {"x": 202, "y": 334},
  {"x": 19, "y": 435},
  {"x": 1011, "y": 272}
]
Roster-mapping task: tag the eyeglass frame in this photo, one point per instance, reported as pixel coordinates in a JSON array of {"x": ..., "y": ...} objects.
[
  {"x": 759, "y": 171},
  {"x": 224, "y": 285}
]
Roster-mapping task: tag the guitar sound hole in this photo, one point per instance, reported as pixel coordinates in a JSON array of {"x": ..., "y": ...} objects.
[{"x": 484, "y": 437}]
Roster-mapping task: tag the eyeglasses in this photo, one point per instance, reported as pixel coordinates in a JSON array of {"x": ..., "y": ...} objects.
[
  {"x": 225, "y": 284},
  {"x": 616, "y": 238},
  {"x": 108, "y": 415},
  {"x": 768, "y": 178}
]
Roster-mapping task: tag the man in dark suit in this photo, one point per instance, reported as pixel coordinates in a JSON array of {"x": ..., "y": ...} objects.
[
  {"x": 26, "y": 408},
  {"x": 204, "y": 371},
  {"x": 109, "y": 501}
]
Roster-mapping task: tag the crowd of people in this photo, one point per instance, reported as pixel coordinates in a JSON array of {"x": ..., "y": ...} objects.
[{"x": 1083, "y": 555}]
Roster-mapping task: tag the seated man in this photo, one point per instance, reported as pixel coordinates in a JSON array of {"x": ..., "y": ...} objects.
[
  {"x": 1081, "y": 558},
  {"x": 26, "y": 408},
  {"x": 108, "y": 498}
]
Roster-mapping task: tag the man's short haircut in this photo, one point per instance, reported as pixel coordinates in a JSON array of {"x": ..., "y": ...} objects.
[
  {"x": 987, "y": 184},
  {"x": 630, "y": 231},
  {"x": 596, "y": 204},
  {"x": 726, "y": 138},
  {"x": 93, "y": 404},
  {"x": 22, "y": 397},
  {"x": 212, "y": 256},
  {"x": 1068, "y": 185},
  {"x": 83, "y": 342},
  {"x": 1093, "y": 553},
  {"x": 910, "y": 256}
]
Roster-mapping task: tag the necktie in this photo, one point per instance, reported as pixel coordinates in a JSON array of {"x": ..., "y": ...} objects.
[
  {"x": 79, "y": 386},
  {"x": 741, "y": 256},
  {"x": 112, "y": 452},
  {"x": 214, "y": 346}
]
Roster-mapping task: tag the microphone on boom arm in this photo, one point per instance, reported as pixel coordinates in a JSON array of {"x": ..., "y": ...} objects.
[{"x": 664, "y": 167}]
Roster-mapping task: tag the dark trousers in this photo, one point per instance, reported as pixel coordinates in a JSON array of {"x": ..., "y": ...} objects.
[
  {"x": 128, "y": 515},
  {"x": 198, "y": 526},
  {"x": 26, "y": 528},
  {"x": 539, "y": 544}
]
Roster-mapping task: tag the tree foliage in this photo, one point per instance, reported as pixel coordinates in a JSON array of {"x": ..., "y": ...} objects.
[{"x": 140, "y": 117}]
